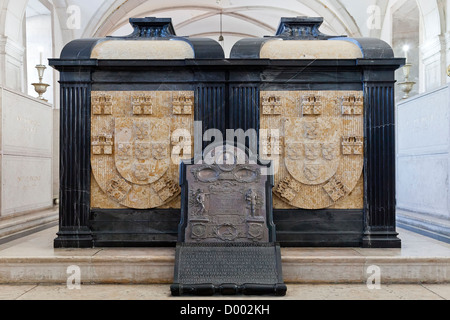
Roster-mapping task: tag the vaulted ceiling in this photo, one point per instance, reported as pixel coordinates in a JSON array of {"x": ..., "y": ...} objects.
[{"x": 202, "y": 18}]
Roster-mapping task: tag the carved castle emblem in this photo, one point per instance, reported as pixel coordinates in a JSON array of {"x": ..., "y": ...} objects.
[
  {"x": 102, "y": 145},
  {"x": 142, "y": 105},
  {"x": 102, "y": 104},
  {"x": 352, "y": 145},
  {"x": 312, "y": 105},
  {"x": 352, "y": 105},
  {"x": 271, "y": 105},
  {"x": 183, "y": 104},
  {"x": 118, "y": 189},
  {"x": 271, "y": 143}
]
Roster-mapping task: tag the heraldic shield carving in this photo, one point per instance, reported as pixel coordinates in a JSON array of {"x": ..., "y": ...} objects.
[
  {"x": 316, "y": 139},
  {"x": 133, "y": 134}
]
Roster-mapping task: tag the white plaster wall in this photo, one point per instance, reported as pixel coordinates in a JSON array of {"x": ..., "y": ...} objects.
[
  {"x": 423, "y": 142},
  {"x": 26, "y": 157}
]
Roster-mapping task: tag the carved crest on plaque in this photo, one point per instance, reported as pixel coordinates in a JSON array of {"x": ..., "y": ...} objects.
[
  {"x": 131, "y": 155},
  {"x": 308, "y": 157},
  {"x": 148, "y": 161},
  {"x": 323, "y": 155},
  {"x": 226, "y": 202}
]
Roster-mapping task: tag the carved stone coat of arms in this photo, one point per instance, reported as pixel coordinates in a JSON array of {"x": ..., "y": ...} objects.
[
  {"x": 316, "y": 138},
  {"x": 132, "y": 143}
]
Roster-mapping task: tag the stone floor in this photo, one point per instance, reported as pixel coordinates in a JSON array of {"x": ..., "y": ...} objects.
[
  {"x": 162, "y": 292},
  {"x": 37, "y": 250}
]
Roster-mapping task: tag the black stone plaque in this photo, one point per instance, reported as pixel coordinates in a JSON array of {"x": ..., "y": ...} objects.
[
  {"x": 226, "y": 235},
  {"x": 240, "y": 268},
  {"x": 228, "y": 200}
]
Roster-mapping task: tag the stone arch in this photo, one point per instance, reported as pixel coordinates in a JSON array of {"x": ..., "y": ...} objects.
[
  {"x": 430, "y": 13},
  {"x": 12, "y": 14},
  {"x": 113, "y": 12}
]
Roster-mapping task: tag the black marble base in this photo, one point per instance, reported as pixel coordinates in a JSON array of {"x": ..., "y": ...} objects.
[
  {"x": 381, "y": 240},
  {"x": 134, "y": 228},
  {"x": 159, "y": 228},
  {"x": 319, "y": 228},
  {"x": 70, "y": 237},
  {"x": 228, "y": 269}
]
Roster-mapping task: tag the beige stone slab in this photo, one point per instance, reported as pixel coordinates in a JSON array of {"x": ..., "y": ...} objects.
[
  {"x": 317, "y": 270},
  {"x": 320, "y": 252},
  {"x": 361, "y": 292},
  {"x": 111, "y": 270},
  {"x": 442, "y": 290},
  {"x": 413, "y": 245},
  {"x": 411, "y": 269},
  {"x": 162, "y": 292},
  {"x": 13, "y": 292},
  {"x": 136, "y": 252},
  {"x": 147, "y": 50},
  {"x": 304, "y": 49},
  {"x": 12, "y": 224},
  {"x": 40, "y": 244}
]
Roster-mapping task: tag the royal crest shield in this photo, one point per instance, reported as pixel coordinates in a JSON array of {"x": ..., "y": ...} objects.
[
  {"x": 312, "y": 150},
  {"x": 143, "y": 146},
  {"x": 321, "y": 159},
  {"x": 131, "y": 155}
]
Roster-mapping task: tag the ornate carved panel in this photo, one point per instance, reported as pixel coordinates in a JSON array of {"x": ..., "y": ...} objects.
[
  {"x": 138, "y": 139},
  {"x": 226, "y": 200},
  {"x": 316, "y": 140}
]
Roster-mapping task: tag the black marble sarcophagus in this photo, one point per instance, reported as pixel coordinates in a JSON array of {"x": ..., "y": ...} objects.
[{"x": 320, "y": 107}]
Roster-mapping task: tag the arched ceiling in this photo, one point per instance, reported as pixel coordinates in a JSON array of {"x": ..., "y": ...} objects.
[
  {"x": 241, "y": 18},
  {"x": 201, "y": 18}
]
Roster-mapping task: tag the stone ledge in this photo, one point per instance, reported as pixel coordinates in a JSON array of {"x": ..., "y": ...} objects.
[
  {"x": 423, "y": 224},
  {"x": 14, "y": 224},
  {"x": 159, "y": 269}
]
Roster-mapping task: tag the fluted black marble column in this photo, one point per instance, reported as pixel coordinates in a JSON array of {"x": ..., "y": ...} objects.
[
  {"x": 379, "y": 169},
  {"x": 74, "y": 210}
]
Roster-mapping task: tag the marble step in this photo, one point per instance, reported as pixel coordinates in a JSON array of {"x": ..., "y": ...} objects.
[
  {"x": 33, "y": 260},
  {"x": 158, "y": 269},
  {"x": 20, "y": 225}
]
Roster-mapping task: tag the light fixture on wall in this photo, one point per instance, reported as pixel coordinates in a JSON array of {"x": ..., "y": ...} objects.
[
  {"x": 406, "y": 85},
  {"x": 41, "y": 87},
  {"x": 221, "y": 38}
]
